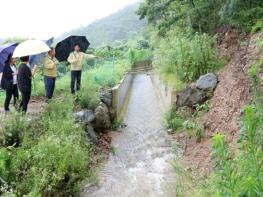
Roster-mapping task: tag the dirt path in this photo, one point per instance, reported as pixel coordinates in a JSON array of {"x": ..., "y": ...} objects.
[
  {"x": 35, "y": 107},
  {"x": 140, "y": 166}
]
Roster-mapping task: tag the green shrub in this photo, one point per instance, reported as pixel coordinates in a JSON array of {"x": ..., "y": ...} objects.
[
  {"x": 186, "y": 57},
  {"x": 173, "y": 121},
  {"x": 53, "y": 164},
  {"x": 136, "y": 55},
  {"x": 193, "y": 128},
  {"x": 258, "y": 26},
  {"x": 12, "y": 129},
  {"x": 56, "y": 164},
  {"x": 88, "y": 97},
  {"x": 6, "y": 172}
]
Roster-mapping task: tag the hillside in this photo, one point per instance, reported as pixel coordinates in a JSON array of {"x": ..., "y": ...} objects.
[{"x": 119, "y": 26}]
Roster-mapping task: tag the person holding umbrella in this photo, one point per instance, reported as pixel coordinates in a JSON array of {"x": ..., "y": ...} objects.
[
  {"x": 5, "y": 51},
  {"x": 72, "y": 49},
  {"x": 50, "y": 73},
  {"x": 24, "y": 50},
  {"x": 76, "y": 59},
  {"x": 9, "y": 82}
]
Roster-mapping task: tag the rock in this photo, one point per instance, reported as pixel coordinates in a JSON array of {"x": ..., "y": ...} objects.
[
  {"x": 85, "y": 116},
  {"x": 102, "y": 117},
  {"x": 207, "y": 82},
  {"x": 92, "y": 135},
  {"x": 106, "y": 97},
  {"x": 185, "y": 112},
  {"x": 190, "y": 96}
]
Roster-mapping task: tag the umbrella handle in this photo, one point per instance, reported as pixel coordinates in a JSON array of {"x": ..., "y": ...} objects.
[{"x": 34, "y": 70}]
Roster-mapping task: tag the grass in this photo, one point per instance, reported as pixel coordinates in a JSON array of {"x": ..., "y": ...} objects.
[
  {"x": 106, "y": 74},
  {"x": 50, "y": 156}
]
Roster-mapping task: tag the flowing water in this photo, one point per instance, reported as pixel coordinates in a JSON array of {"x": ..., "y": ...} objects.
[{"x": 141, "y": 166}]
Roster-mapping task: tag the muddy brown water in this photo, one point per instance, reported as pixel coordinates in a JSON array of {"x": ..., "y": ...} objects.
[{"x": 141, "y": 165}]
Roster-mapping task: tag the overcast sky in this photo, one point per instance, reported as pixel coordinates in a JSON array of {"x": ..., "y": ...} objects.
[{"x": 46, "y": 18}]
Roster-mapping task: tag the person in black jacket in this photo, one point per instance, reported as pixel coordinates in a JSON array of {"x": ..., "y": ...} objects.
[
  {"x": 24, "y": 82},
  {"x": 9, "y": 81}
]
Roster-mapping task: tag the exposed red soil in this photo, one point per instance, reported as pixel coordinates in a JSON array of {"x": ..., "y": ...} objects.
[{"x": 233, "y": 92}]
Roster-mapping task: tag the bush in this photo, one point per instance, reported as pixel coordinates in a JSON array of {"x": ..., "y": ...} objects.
[
  {"x": 258, "y": 26},
  {"x": 88, "y": 97},
  {"x": 12, "y": 128},
  {"x": 186, "y": 58},
  {"x": 173, "y": 121},
  {"x": 52, "y": 165},
  {"x": 136, "y": 55}
]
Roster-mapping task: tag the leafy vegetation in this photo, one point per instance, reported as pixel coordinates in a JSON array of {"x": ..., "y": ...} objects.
[
  {"x": 186, "y": 58},
  {"x": 188, "y": 123},
  {"x": 50, "y": 157},
  {"x": 201, "y": 16}
]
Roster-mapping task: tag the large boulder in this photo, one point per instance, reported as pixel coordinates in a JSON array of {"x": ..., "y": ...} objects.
[
  {"x": 102, "y": 117},
  {"x": 85, "y": 116},
  {"x": 91, "y": 134},
  {"x": 190, "y": 96},
  {"x": 106, "y": 97},
  {"x": 207, "y": 82}
]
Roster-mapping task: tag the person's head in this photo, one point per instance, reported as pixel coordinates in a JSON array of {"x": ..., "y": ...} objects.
[
  {"x": 24, "y": 59},
  {"x": 10, "y": 60},
  {"x": 52, "y": 52},
  {"x": 77, "y": 47}
]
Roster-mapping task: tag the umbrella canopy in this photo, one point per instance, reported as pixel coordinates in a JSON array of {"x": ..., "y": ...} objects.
[
  {"x": 37, "y": 59},
  {"x": 30, "y": 47},
  {"x": 5, "y": 51},
  {"x": 66, "y": 46}
]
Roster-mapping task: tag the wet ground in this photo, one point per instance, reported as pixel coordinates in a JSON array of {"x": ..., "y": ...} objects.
[{"x": 141, "y": 165}]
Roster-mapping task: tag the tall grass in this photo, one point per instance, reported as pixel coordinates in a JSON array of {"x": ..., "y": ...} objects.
[
  {"x": 52, "y": 158},
  {"x": 186, "y": 58}
]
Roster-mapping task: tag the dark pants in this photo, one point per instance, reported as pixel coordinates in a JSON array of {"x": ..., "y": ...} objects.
[
  {"x": 25, "y": 100},
  {"x": 49, "y": 86},
  {"x": 12, "y": 91},
  {"x": 75, "y": 80}
]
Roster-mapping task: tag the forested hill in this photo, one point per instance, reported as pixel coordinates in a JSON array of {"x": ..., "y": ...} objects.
[{"x": 116, "y": 27}]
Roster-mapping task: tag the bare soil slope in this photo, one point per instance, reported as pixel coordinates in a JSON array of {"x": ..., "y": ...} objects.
[{"x": 232, "y": 93}]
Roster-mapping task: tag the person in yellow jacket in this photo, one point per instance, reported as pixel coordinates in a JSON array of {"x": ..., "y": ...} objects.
[
  {"x": 76, "y": 60},
  {"x": 50, "y": 73}
]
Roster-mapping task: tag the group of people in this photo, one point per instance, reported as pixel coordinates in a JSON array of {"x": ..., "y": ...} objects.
[{"x": 14, "y": 79}]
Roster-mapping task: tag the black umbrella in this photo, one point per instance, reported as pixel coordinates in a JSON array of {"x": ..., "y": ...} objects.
[{"x": 66, "y": 46}]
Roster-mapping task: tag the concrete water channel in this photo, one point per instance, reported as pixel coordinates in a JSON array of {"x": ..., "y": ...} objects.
[{"x": 141, "y": 165}]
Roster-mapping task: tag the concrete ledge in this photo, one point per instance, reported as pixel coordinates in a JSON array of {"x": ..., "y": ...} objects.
[
  {"x": 120, "y": 94},
  {"x": 166, "y": 94}
]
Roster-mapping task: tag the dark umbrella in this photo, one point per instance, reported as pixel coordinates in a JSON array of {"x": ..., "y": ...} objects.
[
  {"x": 36, "y": 59},
  {"x": 5, "y": 51},
  {"x": 66, "y": 46}
]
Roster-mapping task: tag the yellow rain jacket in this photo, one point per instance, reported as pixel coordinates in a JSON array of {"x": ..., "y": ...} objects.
[
  {"x": 50, "y": 66},
  {"x": 76, "y": 60}
]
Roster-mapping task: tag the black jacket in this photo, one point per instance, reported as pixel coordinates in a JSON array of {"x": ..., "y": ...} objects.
[
  {"x": 24, "y": 78},
  {"x": 7, "y": 78}
]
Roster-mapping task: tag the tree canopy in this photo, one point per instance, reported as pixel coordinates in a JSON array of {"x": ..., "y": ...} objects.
[{"x": 201, "y": 15}]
